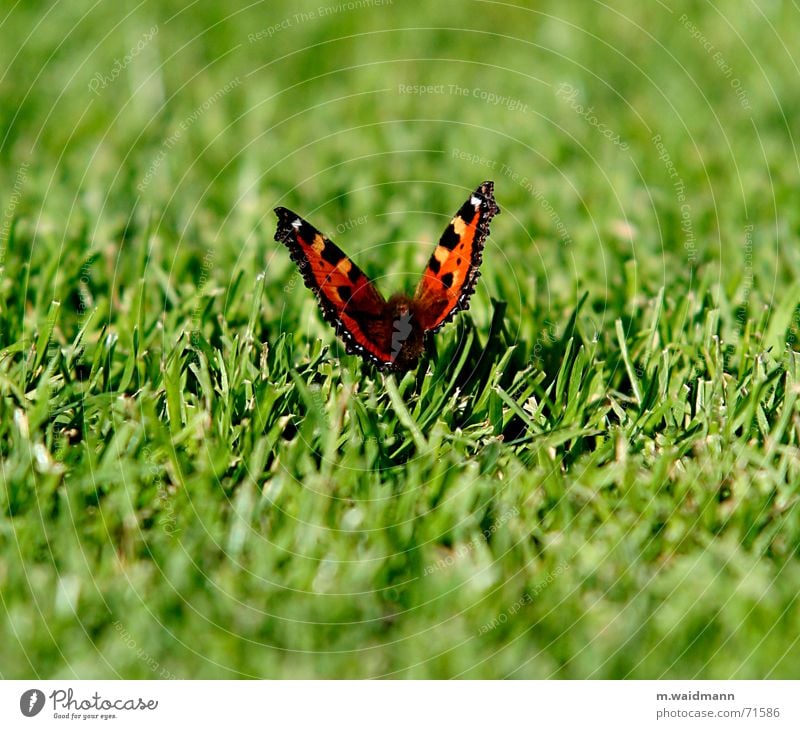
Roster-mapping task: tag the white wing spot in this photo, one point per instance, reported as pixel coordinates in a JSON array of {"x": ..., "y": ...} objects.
[
  {"x": 297, "y": 223},
  {"x": 475, "y": 200}
]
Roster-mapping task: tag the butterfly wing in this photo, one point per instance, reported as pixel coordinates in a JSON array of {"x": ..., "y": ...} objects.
[
  {"x": 348, "y": 300},
  {"x": 453, "y": 269}
]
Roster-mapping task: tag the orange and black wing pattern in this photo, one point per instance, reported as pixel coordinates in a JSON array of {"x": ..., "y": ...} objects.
[
  {"x": 453, "y": 269},
  {"x": 348, "y": 299},
  {"x": 390, "y": 334}
]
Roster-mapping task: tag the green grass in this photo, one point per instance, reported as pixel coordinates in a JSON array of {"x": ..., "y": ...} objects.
[{"x": 596, "y": 471}]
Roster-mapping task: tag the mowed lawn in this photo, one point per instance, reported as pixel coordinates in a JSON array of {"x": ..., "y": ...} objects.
[{"x": 593, "y": 473}]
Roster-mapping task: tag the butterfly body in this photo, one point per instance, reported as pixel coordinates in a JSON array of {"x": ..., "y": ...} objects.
[{"x": 391, "y": 333}]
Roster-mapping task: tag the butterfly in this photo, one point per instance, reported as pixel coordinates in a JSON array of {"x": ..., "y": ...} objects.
[{"x": 391, "y": 333}]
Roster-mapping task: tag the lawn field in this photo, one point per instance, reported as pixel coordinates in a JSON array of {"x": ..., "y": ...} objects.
[{"x": 593, "y": 473}]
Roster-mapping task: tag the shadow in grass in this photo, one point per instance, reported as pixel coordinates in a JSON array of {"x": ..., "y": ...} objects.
[{"x": 465, "y": 395}]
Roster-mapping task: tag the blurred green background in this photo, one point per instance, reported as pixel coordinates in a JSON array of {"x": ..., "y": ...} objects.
[{"x": 194, "y": 485}]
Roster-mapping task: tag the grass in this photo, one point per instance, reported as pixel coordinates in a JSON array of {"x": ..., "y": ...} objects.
[{"x": 593, "y": 473}]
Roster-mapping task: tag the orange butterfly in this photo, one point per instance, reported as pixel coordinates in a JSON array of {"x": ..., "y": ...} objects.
[{"x": 391, "y": 334}]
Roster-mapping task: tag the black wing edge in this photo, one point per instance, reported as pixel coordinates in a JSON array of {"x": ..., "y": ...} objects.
[
  {"x": 285, "y": 233},
  {"x": 489, "y": 208}
]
